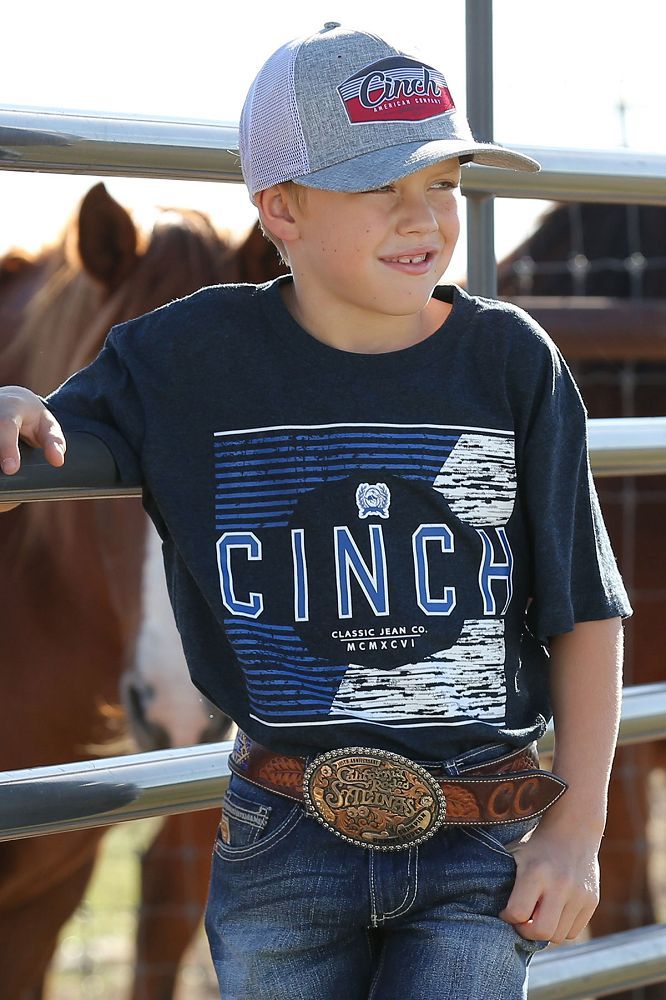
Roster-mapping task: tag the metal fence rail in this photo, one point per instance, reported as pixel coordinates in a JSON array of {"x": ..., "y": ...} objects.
[
  {"x": 600, "y": 967},
  {"x": 63, "y": 797},
  {"x": 80, "y": 142},
  {"x": 628, "y": 446}
]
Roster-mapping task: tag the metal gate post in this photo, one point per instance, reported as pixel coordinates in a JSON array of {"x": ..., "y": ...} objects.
[{"x": 481, "y": 265}]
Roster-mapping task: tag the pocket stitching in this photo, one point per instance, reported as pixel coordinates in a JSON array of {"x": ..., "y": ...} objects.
[
  {"x": 478, "y": 835},
  {"x": 259, "y": 817},
  {"x": 496, "y": 842},
  {"x": 228, "y": 853}
]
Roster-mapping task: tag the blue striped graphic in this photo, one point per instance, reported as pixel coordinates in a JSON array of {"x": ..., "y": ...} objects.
[
  {"x": 283, "y": 679},
  {"x": 259, "y": 479}
]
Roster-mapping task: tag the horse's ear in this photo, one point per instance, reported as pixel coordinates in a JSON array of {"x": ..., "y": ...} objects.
[
  {"x": 107, "y": 238},
  {"x": 12, "y": 265}
]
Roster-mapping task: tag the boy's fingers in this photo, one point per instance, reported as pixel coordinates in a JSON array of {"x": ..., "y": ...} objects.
[
  {"x": 44, "y": 433},
  {"x": 548, "y": 918},
  {"x": 51, "y": 438},
  {"x": 574, "y": 919},
  {"x": 54, "y": 452},
  {"x": 553, "y": 918},
  {"x": 534, "y": 912},
  {"x": 521, "y": 905},
  {"x": 10, "y": 458}
]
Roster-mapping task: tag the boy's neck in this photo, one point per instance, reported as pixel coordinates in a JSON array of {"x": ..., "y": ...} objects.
[{"x": 354, "y": 330}]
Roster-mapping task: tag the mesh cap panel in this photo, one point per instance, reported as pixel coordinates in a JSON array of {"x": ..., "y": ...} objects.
[{"x": 270, "y": 110}]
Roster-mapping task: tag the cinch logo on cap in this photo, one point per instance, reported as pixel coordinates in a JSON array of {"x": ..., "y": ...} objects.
[{"x": 395, "y": 90}]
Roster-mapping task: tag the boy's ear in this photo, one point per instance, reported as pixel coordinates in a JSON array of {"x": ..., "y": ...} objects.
[{"x": 276, "y": 210}]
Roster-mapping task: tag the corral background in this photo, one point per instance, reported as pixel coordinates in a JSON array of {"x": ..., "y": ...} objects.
[{"x": 565, "y": 74}]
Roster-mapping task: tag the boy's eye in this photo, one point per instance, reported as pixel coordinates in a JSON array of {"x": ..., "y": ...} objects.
[{"x": 444, "y": 184}]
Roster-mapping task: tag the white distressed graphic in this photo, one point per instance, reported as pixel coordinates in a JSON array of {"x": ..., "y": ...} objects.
[
  {"x": 478, "y": 480},
  {"x": 463, "y": 683}
]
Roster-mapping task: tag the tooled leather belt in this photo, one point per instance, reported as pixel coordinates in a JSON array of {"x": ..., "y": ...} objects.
[{"x": 383, "y": 800}]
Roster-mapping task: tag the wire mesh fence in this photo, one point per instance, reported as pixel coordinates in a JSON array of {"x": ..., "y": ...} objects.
[{"x": 95, "y": 959}]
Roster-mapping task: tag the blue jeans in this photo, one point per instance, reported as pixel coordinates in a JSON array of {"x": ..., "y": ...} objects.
[{"x": 295, "y": 913}]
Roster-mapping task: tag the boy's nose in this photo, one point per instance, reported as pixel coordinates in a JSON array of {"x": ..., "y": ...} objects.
[{"x": 417, "y": 216}]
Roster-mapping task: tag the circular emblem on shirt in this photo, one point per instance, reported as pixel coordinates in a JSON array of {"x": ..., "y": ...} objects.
[{"x": 387, "y": 567}]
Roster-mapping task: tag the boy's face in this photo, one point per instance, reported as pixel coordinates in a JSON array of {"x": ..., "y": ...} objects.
[{"x": 381, "y": 251}]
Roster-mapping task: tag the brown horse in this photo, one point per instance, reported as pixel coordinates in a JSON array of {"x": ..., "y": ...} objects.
[
  {"x": 617, "y": 251},
  {"x": 71, "y": 585}
]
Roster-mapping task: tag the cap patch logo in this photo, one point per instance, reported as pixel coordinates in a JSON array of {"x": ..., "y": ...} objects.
[{"x": 395, "y": 90}]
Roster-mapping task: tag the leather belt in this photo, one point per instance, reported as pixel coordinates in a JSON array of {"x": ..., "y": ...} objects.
[{"x": 383, "y": 800}]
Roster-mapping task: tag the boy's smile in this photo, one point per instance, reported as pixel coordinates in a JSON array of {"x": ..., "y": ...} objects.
[
  {"x": 417, "y": 262},
  {"x": 365, "y": 264}
]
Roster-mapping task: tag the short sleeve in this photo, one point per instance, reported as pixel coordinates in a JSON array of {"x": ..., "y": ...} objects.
[
  {"x": 574, "y": 575},
  {"x": 102, "y": 400}
]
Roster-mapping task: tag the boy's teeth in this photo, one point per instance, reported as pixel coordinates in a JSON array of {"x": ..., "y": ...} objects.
[{"x": 412, "y": 260}]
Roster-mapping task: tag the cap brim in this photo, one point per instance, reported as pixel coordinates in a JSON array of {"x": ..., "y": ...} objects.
[{"x": 383, "y": 166}]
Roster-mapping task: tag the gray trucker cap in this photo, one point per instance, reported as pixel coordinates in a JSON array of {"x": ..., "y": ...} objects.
[{"x": 343, "y": 110}]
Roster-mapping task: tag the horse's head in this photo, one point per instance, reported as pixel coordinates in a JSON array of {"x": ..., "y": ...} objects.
[
  {"x": 163, "y": 708},
  {"x": 106, "y": 270},
  {"x": 87, "y": 560}
]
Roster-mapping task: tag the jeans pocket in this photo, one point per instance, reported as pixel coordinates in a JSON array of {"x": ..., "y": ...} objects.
[
  {"x": 502, "y": 837},
  {"x": 253, "y": 820},
  {"x": 242, "y": 822}
]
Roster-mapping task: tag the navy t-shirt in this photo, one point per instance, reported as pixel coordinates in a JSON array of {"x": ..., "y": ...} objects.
[{"x": 366, "y": 550}]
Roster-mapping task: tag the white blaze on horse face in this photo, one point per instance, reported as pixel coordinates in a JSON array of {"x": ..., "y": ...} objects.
[{"x": 158, "y": 682}]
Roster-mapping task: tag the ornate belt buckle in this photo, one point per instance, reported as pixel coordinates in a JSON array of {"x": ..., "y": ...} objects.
[{"x": 373, "y": 798}]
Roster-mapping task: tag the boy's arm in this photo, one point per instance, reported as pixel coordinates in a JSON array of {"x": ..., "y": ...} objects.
[
  {"x": 557, "y": 881},
  {"x": 22, "y": 414}
]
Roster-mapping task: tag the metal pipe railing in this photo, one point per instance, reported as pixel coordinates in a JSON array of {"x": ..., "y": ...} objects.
[
  {"x": 58, "y": 798},
  {"x": 643, "y": 716},
  {"x": 73, "y": 142},
  {"x": 481, "y": 265},
  {"x": 601, "y": 966},
  {"x": 627, "y": 446},
  {"x": 89, "y": 472},
  {"x": 80, "y": 795},
  {"x": 619, "y": 176},
  {"x": 81, "y": 142}
]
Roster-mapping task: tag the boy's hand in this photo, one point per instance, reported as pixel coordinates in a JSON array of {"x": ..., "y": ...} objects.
[
  {"x": 557, "y": 884},
  {"x": 23, "y": 415}
]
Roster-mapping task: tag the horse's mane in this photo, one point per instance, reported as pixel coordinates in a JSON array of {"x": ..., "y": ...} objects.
[{"x": 66, "y": 320}]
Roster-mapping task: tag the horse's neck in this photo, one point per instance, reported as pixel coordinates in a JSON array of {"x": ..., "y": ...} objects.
[{"x": 80, "y": 553}]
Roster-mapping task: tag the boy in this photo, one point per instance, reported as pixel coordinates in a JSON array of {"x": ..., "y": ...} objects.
[{"x": 384, "y": 552}]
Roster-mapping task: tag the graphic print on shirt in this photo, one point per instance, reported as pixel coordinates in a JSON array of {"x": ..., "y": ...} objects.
[{"x": 365, "y": 571}]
